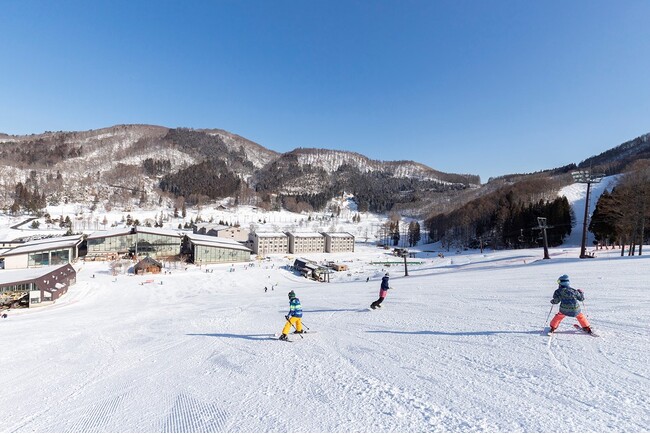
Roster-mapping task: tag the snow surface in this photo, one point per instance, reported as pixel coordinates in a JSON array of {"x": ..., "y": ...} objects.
[
  {"x": 576, "y": 194},
  {"x": 457, "y": 347}
]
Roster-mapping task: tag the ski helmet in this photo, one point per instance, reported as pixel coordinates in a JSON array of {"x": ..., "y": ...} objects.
[
  {"x": 387, "y": 275},
  {"x": 292, "y": 294},
  {"x": 563, "y": 280}
]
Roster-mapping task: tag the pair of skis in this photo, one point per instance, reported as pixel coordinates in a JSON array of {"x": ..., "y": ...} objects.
[
  {"x": 304, "y": 332},
  {"x": 577, "y": 327}
]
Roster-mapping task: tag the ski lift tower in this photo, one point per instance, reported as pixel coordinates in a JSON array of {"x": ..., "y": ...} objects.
[
  {"x": 586, "y": 177},
  {"x": 542, "y": 226}
]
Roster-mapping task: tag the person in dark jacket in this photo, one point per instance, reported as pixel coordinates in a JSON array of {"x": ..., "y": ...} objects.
[
  {"x": 569, "y": 300},
  {"x": 294, "y": 317},
  {"x": 383, "y": 291}
]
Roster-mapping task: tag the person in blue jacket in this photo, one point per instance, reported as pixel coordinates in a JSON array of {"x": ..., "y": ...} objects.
[
  {"x": 383, "y": 292},
  {"x": 569, "y": 300},
  {"x": 294, "y": 317}
]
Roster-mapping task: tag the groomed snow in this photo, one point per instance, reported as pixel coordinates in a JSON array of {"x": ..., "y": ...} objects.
[{"x": 456, "y": 348}]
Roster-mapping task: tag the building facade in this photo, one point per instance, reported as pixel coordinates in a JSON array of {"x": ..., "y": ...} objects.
[
  {"x": 306, "y": 242},
  {"x": 35, "y": 287},
  {"x": 269, "y": 243},
  {"x": 43, "y": 252},
  {"x": 137, "y": 241},
  {"x": 215, "y": 250},
  {"x": 336, "y": 242}
]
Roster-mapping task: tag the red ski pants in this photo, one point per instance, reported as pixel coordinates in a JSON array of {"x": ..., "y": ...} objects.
[{"x": 557, "y": 319}]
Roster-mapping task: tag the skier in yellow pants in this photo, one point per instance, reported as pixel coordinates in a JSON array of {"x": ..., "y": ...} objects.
[{"x": 294, "y": 317}]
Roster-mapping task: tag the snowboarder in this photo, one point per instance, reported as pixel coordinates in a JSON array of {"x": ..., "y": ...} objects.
[
  {"x": 383, "y": 291},
  {"x": 294, "y": 317},
  {"x": 569, "y": 299}
]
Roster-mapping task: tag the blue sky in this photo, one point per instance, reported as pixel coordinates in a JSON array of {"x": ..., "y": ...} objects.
[{"x": 482, "y": 87}]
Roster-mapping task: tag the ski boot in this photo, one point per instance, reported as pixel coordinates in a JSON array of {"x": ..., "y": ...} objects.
[
  {"x": 283, "y": 337},
  {"x": 588, "y": 330},
  {"x": 296, "y": 332}
]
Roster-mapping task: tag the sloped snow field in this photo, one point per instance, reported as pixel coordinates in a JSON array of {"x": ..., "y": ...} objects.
[{"x": 457, "y": 348}]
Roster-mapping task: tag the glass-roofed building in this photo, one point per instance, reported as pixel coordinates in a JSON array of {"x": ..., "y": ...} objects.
[
  {"x": 207, "y": 249},
  {"x": 140, "y": 241}
]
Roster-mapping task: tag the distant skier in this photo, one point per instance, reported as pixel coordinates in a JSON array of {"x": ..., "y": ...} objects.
[
  {"x": 294, "y": 317},
  {"x": 383, "y": 291},
  {"x": 569, "y": 299}
]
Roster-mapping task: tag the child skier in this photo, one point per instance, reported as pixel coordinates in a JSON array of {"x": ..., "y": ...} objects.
[
  {"x": 294, "y": 317},
  {"x": 569, "y": 299},
  {"x": 383, "y": 291}
]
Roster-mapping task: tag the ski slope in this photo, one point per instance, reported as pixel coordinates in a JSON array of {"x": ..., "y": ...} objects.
[{"x": 457, "y": 347}]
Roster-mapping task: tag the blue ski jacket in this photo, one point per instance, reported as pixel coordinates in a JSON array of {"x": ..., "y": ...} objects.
[
  {"x": 569, "y": 299},
  {"x": 384, "y": 283},
  {"x": 295, "y": 309}
]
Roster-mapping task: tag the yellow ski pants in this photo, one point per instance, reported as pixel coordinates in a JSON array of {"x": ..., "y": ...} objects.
[{"x": 297, "y": 322}]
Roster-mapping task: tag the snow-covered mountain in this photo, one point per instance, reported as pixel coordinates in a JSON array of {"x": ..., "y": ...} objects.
[{"x": 154, "y": 164}]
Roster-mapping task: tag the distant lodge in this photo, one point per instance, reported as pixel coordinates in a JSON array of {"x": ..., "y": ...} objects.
[
  {"x": 214, "y": 244},
  {"x": 301, "y": 242},
  {"x": 229, "y": 246},
  {"x": 31, "y": 287},
  {"x": 40, "y": 253}
]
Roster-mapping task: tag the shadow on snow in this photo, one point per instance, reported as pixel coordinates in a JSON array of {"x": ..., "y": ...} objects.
[
  {"x": 477, "y": 333},
  {"x": 262, "y": 337}
]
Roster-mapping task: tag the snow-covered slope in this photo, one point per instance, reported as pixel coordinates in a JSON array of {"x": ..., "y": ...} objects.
[
  {"x": 576, "y": 194},
  {"x": 456, "y": 348}
]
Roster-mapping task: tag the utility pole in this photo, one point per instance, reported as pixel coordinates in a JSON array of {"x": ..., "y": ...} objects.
[
  {"x": 406, "y": 270},
  {"x": 586, "y": 177},
  {"x": 541, "y": 221}
]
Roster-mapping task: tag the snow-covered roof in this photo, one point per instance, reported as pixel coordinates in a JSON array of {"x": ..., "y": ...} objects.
[
  {"x": 11, "y": 276},
  {"x": 209, "y": 241},
  {"x": 140, "y": 229},
  {"x": 109, "y": 233},
  {"x": 306, "y": 234},
  {"x": 160, "y": 231},
  {"x": 339, "y": 234},
  {"x": 270, "y": 234},
  {"x": 45, "y": 245}
]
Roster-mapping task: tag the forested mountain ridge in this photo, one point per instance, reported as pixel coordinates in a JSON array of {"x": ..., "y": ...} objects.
[
  {"x": 145, "y": 165},
  {"x": 504, "y": 212}
]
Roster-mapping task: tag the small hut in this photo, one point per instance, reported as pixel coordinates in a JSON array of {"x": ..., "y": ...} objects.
[{"x": 148, "y": 265}]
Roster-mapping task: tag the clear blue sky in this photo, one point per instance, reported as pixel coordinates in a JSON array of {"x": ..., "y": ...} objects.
[{"x": 482, "y": 87}]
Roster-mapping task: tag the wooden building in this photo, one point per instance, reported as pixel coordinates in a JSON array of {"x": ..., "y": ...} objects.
[{"x": 148, "y": 265}]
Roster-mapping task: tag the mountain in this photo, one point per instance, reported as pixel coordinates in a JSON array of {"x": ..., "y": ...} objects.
[
  {"x": 618, "y": 159},
  {"x": 137, "y": 165}
]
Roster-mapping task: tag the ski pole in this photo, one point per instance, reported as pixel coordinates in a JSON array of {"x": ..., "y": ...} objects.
[{"x": 549, "y": 314}]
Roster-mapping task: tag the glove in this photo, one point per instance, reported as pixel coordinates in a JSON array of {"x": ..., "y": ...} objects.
[
  {"x": 554, "y": 302},
  {"x": 287, "y": 317},
  {"x": 580, "y": 291}
]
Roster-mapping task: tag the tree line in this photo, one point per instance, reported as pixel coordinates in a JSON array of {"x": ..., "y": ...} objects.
[
  {"x": 621, "y": 216},
  {"x": 506, "y": 218}
]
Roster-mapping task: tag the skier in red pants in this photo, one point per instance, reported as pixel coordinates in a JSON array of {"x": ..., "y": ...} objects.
[{"x": 569, "y": 299}]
